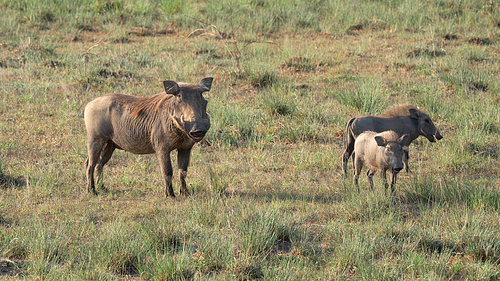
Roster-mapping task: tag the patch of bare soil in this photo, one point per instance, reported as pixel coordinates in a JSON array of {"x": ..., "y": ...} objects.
[
  {"x": 9, "y": 268},
  {"x": 479, "y": 41},
  {"x": 450, "y": 37},
  {"x": 425, "y": 52}
]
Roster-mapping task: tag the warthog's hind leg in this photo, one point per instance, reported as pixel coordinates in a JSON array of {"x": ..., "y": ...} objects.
[
  {"x": 94, "y": 146},
  {"x": 106, "y": 154},
  {"x": 358, "y": 165},
  {"x": 370, "y": 174},
  {"x": 406, "y": 156},
  {"x": 348, "y": 153},
  {"x": 350, "y": 139}
]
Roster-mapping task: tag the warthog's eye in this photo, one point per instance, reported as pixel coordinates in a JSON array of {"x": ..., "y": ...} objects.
[{"x": 427, "y": 121}]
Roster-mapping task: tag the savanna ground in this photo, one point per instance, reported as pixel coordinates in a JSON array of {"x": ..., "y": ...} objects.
[{"x": 269, "y": 199}]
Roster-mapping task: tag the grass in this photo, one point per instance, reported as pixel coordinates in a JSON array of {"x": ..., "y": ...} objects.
[{"x": 269, "y": 198}]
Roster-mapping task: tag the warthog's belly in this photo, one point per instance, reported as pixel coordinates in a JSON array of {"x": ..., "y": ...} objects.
[{"x": 135, "y": 146}]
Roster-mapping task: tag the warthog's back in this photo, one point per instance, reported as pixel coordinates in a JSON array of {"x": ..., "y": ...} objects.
[{"x": 400, "y": 125}]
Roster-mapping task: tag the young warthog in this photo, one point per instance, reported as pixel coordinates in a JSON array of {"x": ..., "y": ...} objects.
[
  {"x": 176, "y": 119},
  {"x": 380, "y": 151},
  {"x": 402, "y": 119}
]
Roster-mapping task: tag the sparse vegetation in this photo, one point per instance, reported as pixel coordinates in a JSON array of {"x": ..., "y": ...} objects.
[{"x": 269, "y": 198}]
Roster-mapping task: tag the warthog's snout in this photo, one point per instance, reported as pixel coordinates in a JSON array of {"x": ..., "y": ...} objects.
[
  {"x": 431, "y": 138},
  {"x": 195, "y": 130},
  {"x": 438, "y": 135},
  {"x": 435, "y": 137},
  {"x": 397, "y": 170},
  {"x": 197, "y": 135}
]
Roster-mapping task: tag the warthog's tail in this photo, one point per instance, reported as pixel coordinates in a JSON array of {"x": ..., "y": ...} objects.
[{"x": 349, "y": 144}]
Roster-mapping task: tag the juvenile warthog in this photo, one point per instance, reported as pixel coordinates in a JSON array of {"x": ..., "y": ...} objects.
[
  {"x": 176, "y": 119},
  {"x": 380, "y": 151},
  {"x": 402, "y": 119}
]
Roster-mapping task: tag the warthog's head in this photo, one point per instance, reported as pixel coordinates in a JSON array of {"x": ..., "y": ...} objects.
[
  {"x": 190, "y": 108},
  {"x": 425, "y": 125},
  {"x": 393, "y": 151}
]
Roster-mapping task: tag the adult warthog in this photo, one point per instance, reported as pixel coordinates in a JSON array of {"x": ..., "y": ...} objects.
[
  {"x": 380, "y": 151},
  {"x": 402, "y": 119},
  {"x": 176, "y": 119}
]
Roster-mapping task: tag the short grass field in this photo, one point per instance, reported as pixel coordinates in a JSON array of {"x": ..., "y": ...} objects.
[{"x": 269, "y": 200}]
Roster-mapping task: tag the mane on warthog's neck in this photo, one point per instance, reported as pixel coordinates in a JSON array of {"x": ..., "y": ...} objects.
[
  {"x": 148, "y": 109},
  {"x": 400, "y": 110}
]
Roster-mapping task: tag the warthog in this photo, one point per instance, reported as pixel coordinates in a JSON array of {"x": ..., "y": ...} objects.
[
  {"x": 176, "y": 119},
  {"x": 380, "y": 151},
  {"x": 403, "y": 119}
]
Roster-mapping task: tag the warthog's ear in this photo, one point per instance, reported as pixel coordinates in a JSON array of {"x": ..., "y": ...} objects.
[
  {"x": 171, "y": 87},
  {"x": 404, "y": 140},
  {"x": 414, "y": 114},
  {"x": 206, "y": 84},
  {"x": 381, "y": 141}
]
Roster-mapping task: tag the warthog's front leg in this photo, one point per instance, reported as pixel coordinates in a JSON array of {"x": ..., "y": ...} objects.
[
  {"x": 384, "y": 178},
  {"x": 166, "y": 171},
  {"x": 183, "y": 156},
  {"x": 393, "y": 182}
]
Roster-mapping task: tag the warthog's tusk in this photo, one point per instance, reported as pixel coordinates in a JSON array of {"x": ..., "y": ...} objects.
[
  {"x": 208, "y": 114},
  {"x": 181, "y": 127}
]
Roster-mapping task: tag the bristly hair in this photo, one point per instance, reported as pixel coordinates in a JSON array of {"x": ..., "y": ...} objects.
[
  {"x": 148, "y": 106},
  {"x": 399, "y": 110}
]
